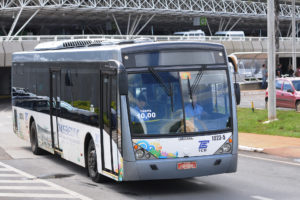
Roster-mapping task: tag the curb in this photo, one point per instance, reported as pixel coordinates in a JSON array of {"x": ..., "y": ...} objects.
[{"x": 252, "y": 149}]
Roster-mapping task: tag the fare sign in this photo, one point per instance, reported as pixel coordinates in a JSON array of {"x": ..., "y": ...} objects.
[{"x": 186, "y": 165}]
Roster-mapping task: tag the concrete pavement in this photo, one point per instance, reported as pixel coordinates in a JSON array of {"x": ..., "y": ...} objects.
[{"x": 275, "y": 145}]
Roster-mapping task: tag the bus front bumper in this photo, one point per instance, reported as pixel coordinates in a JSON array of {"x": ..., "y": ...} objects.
[{"x": 167, "y": 168}]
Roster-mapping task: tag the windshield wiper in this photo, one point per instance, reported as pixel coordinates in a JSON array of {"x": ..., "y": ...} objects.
[
  {"x": 168, "y": 90},
  {"x": 190, "y": 92},
  {"x": 192, "y": 89},
  {"x": 197, "y": 80}
]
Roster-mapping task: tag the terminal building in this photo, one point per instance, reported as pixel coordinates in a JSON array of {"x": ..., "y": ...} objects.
[{"x": 24, "y": 24}]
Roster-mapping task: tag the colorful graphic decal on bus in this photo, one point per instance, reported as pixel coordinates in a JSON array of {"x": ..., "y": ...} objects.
[
  {"x": 156, "y": 149},
  {"x": 182, "y": 146},
  {"x": 120, "y": 171}
]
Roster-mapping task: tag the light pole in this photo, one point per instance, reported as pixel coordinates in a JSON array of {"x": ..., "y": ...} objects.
[
  {"x": 294, "y": 36},
  {"x": 271, "y": 62}
]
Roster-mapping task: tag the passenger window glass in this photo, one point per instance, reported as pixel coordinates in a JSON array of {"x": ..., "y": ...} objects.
[{"x": 80, "y": 102}]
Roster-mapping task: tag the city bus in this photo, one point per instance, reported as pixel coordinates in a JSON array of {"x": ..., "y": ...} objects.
[{"x": 130, "y": 109}]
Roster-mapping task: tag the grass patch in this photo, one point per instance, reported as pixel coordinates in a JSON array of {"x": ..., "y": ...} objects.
[{"x": 288, "y": 123}]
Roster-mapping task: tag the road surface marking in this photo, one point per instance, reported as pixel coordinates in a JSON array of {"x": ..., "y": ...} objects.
[
  {"x": 61, "y": 196},
  {"x": 260, "y": 198},
  {"x": 69, "y": 193},
  {"x": 26, "y": 188},
  {"x": 19, "y": 181},
  {"x": 10, "y": 175},
  {"x": 271, "y": 160},
  {"x": 4, "y": 170}
]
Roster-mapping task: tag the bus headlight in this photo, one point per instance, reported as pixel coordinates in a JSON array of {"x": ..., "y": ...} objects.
[
  {"x": 142, "y": 154},
  {"x": 139, "y": 153},
  {"x": 226, "y": 147}
]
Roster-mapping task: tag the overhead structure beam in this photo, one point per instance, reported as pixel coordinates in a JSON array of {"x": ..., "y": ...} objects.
[
  {"x": 145, "y": 24},
  {"x": 208, "y": 27},
  {"x": 227, "y": 24},
  {"x": 117, "y": 24},
  {"x": 25, "y": 24},
  {"x": 235, "y": 24},
  {"x": 133, "y": 25},
  {"x": 136, "y": 25},
  {"x": 14, "y": 24},
  {"x": 128, "y": 24},
  {"x": 227, "y": 8}
]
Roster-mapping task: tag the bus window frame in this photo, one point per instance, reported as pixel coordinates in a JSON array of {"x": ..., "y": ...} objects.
[{"x": 183, "y": 68}]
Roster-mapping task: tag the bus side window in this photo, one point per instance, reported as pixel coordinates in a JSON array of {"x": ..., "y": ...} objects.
[{"x": 80, "y": 102}]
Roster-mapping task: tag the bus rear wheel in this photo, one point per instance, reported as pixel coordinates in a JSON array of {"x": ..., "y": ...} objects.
[
  {"x": 92, "y": 166},
  {"x": 34, "y": 140}
]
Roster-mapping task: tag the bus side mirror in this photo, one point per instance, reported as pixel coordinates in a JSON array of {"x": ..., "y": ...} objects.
[
  {"x": 237, "y": 92},
  {"x": 233, "y": 60}
]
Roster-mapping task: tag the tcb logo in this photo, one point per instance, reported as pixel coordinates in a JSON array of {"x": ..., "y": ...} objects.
[{"x": 203, "y": 145}]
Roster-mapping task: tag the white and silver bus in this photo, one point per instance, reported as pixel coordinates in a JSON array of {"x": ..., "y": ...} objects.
[{"x": 129, "y": 110}]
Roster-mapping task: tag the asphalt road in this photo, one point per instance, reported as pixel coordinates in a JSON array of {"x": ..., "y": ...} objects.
[{"x": 259, "y": 176}]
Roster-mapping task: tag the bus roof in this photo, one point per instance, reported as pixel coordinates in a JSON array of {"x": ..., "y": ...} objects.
[{"x": 106, "y": 52}]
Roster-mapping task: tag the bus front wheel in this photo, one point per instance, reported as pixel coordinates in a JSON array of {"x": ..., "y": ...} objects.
[
  {"x": 34, "y": 140},
  {"x": 92, "y": 163}
]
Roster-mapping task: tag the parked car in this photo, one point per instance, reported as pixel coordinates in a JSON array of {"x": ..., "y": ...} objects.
[{"x": 287, "y": 93}]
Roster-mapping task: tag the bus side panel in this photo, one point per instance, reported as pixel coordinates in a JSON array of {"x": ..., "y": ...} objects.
[
  {"x": 42, "y": 122},
  {"x": 71, "y": 140},
  {"x": 21, "y": 124}
]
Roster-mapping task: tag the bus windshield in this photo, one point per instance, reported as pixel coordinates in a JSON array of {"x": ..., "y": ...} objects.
[{"x": 178, "y": 102}]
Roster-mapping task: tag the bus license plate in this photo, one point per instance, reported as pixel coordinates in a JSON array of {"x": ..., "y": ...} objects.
[{"x": 186, "y": 165}]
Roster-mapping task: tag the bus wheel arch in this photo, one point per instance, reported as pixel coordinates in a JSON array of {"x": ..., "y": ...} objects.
[
  {"x": 34, "y": 138},
  {"x": 91, "y": 159},
  {"x": 87, "y": 139}
]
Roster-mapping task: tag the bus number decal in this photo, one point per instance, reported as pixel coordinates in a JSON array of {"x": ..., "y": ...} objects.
[{"x": 218, "y": 137}]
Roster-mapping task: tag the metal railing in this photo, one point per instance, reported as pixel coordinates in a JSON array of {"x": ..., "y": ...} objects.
[{"x": 44, "y": 38}]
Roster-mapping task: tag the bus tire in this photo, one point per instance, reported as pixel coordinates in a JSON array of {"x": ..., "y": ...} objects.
[
  {"x": 92, "y": 166},
  {"x": 34, "y": 140}
]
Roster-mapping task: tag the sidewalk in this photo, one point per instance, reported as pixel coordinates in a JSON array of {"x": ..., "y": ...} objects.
[{"x": 275, "y": 145}]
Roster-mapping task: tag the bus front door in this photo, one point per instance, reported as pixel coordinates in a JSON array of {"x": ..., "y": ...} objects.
[
  {"x": 55, "y": 92},
  {"x": 109, "y": 135}
]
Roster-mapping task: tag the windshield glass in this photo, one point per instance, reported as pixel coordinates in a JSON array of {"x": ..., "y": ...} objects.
[
  {"x": 178, "y": 102},
  {"x": 296, "y": 85}
]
